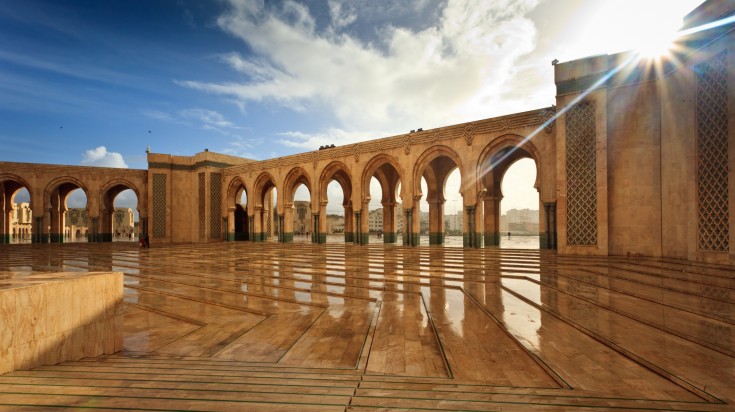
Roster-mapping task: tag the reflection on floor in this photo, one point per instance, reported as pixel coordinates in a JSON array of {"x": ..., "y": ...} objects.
[{"x": 268, "y": 326}]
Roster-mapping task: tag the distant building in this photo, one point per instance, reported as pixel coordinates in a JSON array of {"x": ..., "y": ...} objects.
[
  {"x": 301, "y": 217},
  {"x": 453, "y": 223},
  {"x": 21, "y": 221},
  {"x": 76, "y": 223},
  {"x": 520, "y": 221},
  {"x": 335, "y": 224},
  {"x": 375, "y": 220}
]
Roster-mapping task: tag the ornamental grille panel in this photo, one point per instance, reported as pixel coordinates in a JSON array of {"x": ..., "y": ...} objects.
[
  {"x": 581, "y": 175},
  {"x": 713, "y": 224},
  {"x": 215, "y": 205},
  {"x": 159, "y": 206},
  {"x": 202, "y": 206}
]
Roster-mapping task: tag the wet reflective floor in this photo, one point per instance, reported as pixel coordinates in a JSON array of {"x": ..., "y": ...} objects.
[{"x": 335, "y": 327}]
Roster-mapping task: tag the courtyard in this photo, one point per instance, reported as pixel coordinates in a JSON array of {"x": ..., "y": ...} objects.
[{"x": 272, "y": 326}]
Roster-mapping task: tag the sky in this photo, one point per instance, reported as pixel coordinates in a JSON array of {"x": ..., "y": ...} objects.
[{"x": 89, "y": 82}]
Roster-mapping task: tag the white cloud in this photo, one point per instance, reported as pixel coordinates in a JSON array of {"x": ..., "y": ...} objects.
[
  {"x": 157, "y": 115},
  {"x": 312, "y": 141},
  {"x": 209, "y": 118},
  {"x": 458, "y": 70},
  {"x": 339, "y": 18},
  {"x": 100, "y": 157},
  {"x": 76, "y": 199}
]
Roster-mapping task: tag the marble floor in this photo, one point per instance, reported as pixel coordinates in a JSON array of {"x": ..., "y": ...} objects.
[{"x": 268, "y": 326}]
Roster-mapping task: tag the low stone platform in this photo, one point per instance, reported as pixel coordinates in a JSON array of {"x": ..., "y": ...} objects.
[{"x": 47, "y": 318}]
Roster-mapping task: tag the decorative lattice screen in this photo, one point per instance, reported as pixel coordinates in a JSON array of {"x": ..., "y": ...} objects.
[
  {"x": 581, "y": 175},
  {"x": 159, "y": 206},
  {"x": 712, "y": 153},
  {"x": 202, "y": 206},
  {"x": 215, "y": 205}
]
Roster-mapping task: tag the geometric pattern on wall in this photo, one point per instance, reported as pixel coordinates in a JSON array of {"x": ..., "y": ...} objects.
[
  {"x": 159, "y": 206},
  {"x": 215, "y": 204},
  {"x": 713, "y": 226},
  {"x": 581, "y": 175},
  {"x": 202, "y": 206}
]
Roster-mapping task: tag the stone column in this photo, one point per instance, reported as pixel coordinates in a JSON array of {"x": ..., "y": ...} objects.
[
  {"x": 415, "y": 222},
  {"x": 40, "y": 228},
  {"x": 282, "y": 228},
  {"x": 142, "y": 225},
  {"x": 230, "y": 226},
  {"x": 436, "y": 222},
  {"x": 492, "y": 220},
  {"x": 56, "y": 234},
  {"x": 257, "y": 227},
  {"x": 358, "y": 227},
  {"x": 470, "y": 237},
  {"x": 407, "y": 218},
  {"x": 365, "y": 224},
  {"x": 549, "y": 241},
  {"x": 389, "y": 222},
  {"x": 285, "y": 225},
  {"x": 315, "y": 234},
  {"x": 6, "y": 218},
  {"x": 349, "y": 225},
  {"x": 94, "y": 234},
  {"x": 321, "y": 223},
  {"x": 251, "y": 228},
  {"x": 106, "y": 225}
]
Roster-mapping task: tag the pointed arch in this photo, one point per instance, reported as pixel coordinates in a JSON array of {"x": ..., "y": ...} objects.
[
  {"x": 384, "y": 163},
  {"x": 503, "y": 152},
  {"x": 111, "y": 189},
  {"x": 294, "y": 178},
  {"x": 16, "y": 183},
  {"x": 263, "y": 184},
  {"x": 339, "y": 172},
  {"x": 431, "y": 174},
  {"x": 236, "y": 186}
]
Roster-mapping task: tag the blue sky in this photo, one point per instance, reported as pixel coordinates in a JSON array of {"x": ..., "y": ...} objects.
[{"x": 96, "y": 82}]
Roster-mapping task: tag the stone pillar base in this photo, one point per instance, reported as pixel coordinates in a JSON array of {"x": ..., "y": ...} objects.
[
  {"x": 436, "y": 238},
  {"x": 492, "y": 239}
]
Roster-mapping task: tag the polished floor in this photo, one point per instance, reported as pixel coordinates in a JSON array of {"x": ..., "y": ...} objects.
[{"x": 267, "y": 326}]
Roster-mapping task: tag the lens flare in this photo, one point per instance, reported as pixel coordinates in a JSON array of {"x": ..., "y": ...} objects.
[{"x": 656, "y": 45}]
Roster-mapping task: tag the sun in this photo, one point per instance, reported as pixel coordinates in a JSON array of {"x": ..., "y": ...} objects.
[{"x": 655, "y": 43}]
